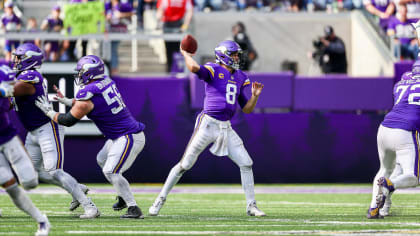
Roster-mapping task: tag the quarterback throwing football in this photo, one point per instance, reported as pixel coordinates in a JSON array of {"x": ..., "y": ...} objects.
[{"x": 225, "y": 84}]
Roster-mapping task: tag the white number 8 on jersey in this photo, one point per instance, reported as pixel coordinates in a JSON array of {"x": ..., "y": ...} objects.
[{"x": 231, "y": 93}]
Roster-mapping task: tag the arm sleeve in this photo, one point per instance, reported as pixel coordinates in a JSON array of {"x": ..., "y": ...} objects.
[
  {"x": 67, "y": 119},
  {"x": 205, "y": 73}
]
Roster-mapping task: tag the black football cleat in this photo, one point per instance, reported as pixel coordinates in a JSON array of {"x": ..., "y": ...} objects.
[
  {"x": 133, "y": 212},
  {"x": 118, "y": 206}
]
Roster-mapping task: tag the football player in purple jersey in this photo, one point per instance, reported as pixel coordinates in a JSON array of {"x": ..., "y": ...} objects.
[
  {"x": 398, "y": 143},
  {"x": 224, "y": 87},
  {"x": 100, "y": 100},
  {"x": 398, "y": 151},
  {"x": 13, "y": 154},
  {"x": 45, "y": 137}
]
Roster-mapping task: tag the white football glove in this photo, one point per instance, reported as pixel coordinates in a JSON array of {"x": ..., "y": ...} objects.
[
  {"x": 61, "y": 98},
  {"x": 6, "y": 90},
  {"x": 45, "y": 106},
  {"x": 64, "y": 100}
]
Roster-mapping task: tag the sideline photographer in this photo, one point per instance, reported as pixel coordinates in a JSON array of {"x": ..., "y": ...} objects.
[
  {"x": 240, "y": 37},
  {"x": 330, "y": 52}
]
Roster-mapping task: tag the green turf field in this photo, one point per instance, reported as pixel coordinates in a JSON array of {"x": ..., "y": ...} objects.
[{"x": 298, "y": 210}]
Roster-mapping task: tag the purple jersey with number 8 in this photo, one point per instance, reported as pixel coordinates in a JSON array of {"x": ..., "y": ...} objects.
[
  {"x": 406, "y": 111},
  {"x": 109, "y": 113},
  {"x": 223, "y": 90}
]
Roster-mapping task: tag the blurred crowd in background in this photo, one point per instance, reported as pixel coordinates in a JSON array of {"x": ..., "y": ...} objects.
[{"x": 393, "y": 17}]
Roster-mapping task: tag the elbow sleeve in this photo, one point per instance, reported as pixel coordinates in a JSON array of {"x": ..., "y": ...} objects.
[{"x": 67, "y": 119}]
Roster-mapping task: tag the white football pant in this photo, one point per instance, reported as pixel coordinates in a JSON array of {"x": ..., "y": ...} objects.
[
  {"x": 117, "y": 155},
  {"x": 14, "y": 153},
  {"x": 398, "y": 144},
  {"x": 45, "y": 146},
  {"x": 209, "y": 130}
]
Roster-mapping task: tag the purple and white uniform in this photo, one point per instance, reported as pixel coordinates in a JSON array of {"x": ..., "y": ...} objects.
[
  {"x": 223, "y": 90},
  {"x": 110, "y": 113},
  {"x": 12, "y": 152},
  {"x": 45, "y": 138},
  {"x": 10, "y": 23},
  {"x": 114, "y": 120},
  {"x": 398, "y": 137},
  {"x": 29, "y": 114},
  {"x": 406, "y": 112},
  {"x": 51, "y": 23}
]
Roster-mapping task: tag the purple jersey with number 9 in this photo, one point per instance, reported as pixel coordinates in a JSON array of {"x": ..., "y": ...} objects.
[
  {"x": 109, "y": 113},
  {"x": 406, "y": 111}
]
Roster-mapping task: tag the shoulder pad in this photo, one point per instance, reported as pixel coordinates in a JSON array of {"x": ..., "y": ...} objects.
[
  {"x": 211, "y": 67},
  {"x": 30, "y": 76},
  {"x": 85, "y": 93},
  {"x": 247, "y": 81}
]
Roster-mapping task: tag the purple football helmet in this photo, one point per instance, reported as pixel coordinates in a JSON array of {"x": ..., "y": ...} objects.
[
  {"x": 7, "y": 75},
  {"x": 89, "y": 68},
  {"x": 225, "y": 52},
  {"x": 27, "y": 56},
  {"x": 416, "y": 68}
]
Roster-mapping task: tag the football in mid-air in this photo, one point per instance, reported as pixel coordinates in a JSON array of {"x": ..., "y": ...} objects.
[{"x": 189, "y": 44}]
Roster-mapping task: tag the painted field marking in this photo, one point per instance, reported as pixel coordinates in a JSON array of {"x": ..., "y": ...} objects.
[{"x": 292, "y": 232}]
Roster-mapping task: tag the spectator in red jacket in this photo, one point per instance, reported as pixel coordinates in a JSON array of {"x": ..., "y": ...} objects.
[{"x": 175, "y": 17}]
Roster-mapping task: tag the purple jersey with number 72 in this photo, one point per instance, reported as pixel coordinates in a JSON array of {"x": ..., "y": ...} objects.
[
  {"x": 406, "y": 111},
  {"x": 109, "y": 113}
]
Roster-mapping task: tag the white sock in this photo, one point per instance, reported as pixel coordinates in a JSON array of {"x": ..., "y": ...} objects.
[
  {"x": 247, "y": 179},
  {"x": 174, "y": 175},
  {"x": 383, "y": 172},
  {"x": 123, "y": 188},
  {"x": 71, "y": 186},
  {"x": 405, "y": 181},
  {"x": 23, "y": 202}
]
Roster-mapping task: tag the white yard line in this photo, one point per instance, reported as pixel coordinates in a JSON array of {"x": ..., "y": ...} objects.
[
  {"x": 107, "y": 190},
  {"x": 291, "y": 232}
]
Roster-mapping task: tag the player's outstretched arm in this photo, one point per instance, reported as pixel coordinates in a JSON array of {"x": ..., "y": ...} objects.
[
  {"x": 191, "y": 64},
  {"x": 80, "y": 109},
  {"x": 256, "y": 91}
]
